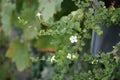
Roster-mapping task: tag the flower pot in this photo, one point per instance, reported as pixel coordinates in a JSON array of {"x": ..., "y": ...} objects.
[{"x": 107, "y": 40}]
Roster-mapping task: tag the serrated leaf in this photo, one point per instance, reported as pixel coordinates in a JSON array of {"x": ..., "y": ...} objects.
[
  {"x": 7, "y": 8},
  {"x": 18, "y": 52},
  {"x": 49, "y": 8}
]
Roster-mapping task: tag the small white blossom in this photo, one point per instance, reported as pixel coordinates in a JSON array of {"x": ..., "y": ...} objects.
[
  {"x": 92, "y": 62},
  {"x": 38, "y": 14},
  {"x": 53, "y": 58},
  {"x": 18, "y": 17},
  {"x": 114, "y": 47},
  {"x": 104, "y": 7},
  {"x": 73, "y": 39},
  {"x": 69, "y": 56},
  {"x": 73, "y": 56},
  {"x": 97, "y": 60}
]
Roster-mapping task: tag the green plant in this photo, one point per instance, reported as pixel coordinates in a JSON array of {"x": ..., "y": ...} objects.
[{"x": 49, "y": 24}]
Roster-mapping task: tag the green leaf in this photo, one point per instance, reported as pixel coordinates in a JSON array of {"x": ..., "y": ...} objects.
[
  {"x": 44, "y": 42},
  {"x": 19, "y": 54},
  {"x": 30, "y": 32},
  {"x": 49, "y": 8},
  {"x": 7, "y": 8},
  {"x": 78, "y": 14}
]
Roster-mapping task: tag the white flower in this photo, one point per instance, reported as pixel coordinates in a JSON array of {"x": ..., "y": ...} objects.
[
  {"x": 104, "y": 7},
  {"x": 92, "y": 62},
  {"x": 38, "y": 14},
  {"x": 73, "y": 39},
  {"x": 73, "y": 56},
  {"x": 69, "y": 56},
  {"x": 18, "y": 17},
  {"x": 53, "y": 58},
  {"x": 97, "y": 60}
]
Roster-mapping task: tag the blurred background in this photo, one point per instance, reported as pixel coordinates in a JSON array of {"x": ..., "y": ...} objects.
[{"x": 19, "y": 45}]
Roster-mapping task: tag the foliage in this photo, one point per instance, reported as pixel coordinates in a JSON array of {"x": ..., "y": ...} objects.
[
  {"x": 21, "y": 58},
  {"x": 51, "y": 31},
  {"x": 7, "y": 10}
]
